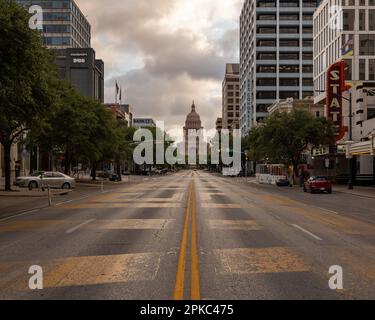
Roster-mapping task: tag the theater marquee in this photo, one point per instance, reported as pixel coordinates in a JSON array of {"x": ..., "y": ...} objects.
[{"x": 335, "y": 89}]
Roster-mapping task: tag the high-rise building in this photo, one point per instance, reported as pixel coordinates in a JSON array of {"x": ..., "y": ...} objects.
[
  {"x": 67, "y": 31},
  {"x": 352, "y": 39},
  {"x": 276, "y": 55},
  {"x": 345, "y": 34},
  {"x": 231, "y": 96},
  {"x": 64, "y": 25}
]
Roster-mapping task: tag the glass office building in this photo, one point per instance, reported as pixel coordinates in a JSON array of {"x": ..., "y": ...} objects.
[
  {"x": 276, "y": 55},
  {"x": 64, "y": 25}
]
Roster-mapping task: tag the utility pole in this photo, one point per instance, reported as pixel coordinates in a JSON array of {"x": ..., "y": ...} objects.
[{"x": 351, "y": 158}]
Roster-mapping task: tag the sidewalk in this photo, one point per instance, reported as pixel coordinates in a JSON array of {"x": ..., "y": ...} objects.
[{"x": 368, "y": 192}]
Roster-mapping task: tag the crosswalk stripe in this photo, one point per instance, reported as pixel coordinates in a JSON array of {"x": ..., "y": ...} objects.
[
  {"x": 123, "y": 205},
  {"x": 221, "y": 206},
  {"x": 233, "y": 225},
  {"x": 89, "y": 270},
  {"x": 259, "y": 260}
]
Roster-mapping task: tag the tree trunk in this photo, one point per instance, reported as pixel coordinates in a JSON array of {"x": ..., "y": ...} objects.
[
  {"x": 93, "y": 171},
  {"x": 7, "y": 163},
  {"x": 118, "y": 165}
]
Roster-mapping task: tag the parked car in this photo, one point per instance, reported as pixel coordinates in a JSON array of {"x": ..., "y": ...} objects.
[
  {"x": 283, "y": 183},
  {"x": 56, "y": 180},
  {"x": 318, "y": 184}
]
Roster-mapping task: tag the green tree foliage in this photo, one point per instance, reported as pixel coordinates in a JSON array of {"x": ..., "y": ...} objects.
[
  {"x": 27, "y": 72},
  {"x": 284, "y": 137},
  {"x": 79, "y": 128}
]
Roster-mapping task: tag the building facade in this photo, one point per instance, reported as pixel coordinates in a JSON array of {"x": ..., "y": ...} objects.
[
  {"x": 143, "y": 123},
  {"x": 193, "y": 126},
  {"x": 347, "y": 33},
  {"x": 231, "y": 96},
  {"x": 290, "y": 104},
  {"x": 83, "y": 71},
  {"x": 276, "y": 55},
  {"x": 64, "y": 25},
  {"x": 67, "y": 32}
]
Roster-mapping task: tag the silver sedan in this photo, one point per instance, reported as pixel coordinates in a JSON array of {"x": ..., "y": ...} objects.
[{"x": 56, "y": 180}]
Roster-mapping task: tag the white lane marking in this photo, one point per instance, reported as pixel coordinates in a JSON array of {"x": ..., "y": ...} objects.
[
  {"x": 79, "y": 226},
  {"x": 307, "y": 232},
  {"x": 331, "y": 211},
  {"x": 20, "y": 214}
]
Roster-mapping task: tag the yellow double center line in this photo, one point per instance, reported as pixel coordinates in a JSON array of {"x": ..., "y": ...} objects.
[{"x": 190, "y": 216}]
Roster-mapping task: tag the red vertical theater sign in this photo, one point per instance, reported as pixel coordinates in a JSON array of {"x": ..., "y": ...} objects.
[{"x": 335, "y": 89}]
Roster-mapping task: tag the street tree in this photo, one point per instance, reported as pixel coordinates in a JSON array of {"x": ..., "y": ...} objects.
[
  {"x": 27, "y": 72},
  {"x": 285, "y": 137}
]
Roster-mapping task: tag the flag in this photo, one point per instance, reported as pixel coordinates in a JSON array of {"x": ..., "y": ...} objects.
[
  {"x": 120, "y": 94},
  {"x": 117, "y": 88},
  {"x": 347, "y": 53},
  {"x": 350, "y": 42}
]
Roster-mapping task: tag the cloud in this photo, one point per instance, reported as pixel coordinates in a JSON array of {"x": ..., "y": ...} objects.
[{"x": 165, "y": 53}]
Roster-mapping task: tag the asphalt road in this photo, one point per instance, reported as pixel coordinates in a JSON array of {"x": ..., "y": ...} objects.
[{"x": 193, "y": 235}]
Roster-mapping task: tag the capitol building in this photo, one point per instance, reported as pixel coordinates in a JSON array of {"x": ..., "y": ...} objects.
[{"x": 193, "y": 126}]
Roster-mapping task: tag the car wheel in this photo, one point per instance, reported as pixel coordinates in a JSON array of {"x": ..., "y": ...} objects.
[
  {"x": 33, "y": 185},
  {"x": 304, "y": 189},
  {"x": 66, "y": 186},
  {"x": 330, "y": 191}
]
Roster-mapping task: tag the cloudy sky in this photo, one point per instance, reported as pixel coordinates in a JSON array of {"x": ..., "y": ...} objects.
[{"x": 166, "y": 53}]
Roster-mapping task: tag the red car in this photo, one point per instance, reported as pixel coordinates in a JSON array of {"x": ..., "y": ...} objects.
[{"x": 318, "y": 184}]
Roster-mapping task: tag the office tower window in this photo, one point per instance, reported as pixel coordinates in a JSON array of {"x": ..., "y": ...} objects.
[
  {"x": 292, "y": 17},
  {"x": 266, "y": 4},
  {"x": 362, "y": 69},
  {"x": 366, "y": 44},
  {"x": 371, "y": 69},
  {"x": 263, "y": 17},
  {"x": 371, "y": 2},
  {"x": 307, "y": 82},
  {"x": 348, "y": 69},
  {"x": 348, "y": 19},
  {"x": 262, "y": 108},
  {"x": 289, "y": 43},
  {"x": 266, "y": 56},
  {"x": 307, "y": 56},
  {"x": 266, "y": 69},
  {"x": 266, "y": 82},
  {"x": 289, "y": 94},
  {"x": 293, "y": 82},
  {"x": 289, "y": 29},
  {"x": 289, "y": 69},
  {"x": 371, "y": 20},
  {"x": 289, "y": 3},
  {"x": 262, "y": 30},
  {"x": 307, "y": 43},
  {"x": 289, "y": 56},
  {"x": 307, "y": 30},
  {"x": 266, "y": 43},
  {"x": 306, "y": 94},
  {"x": 310, "y": 3},
  {"x": 307, "y": 17},
  {"x": 307, "y": 69},
  {"x": 362, "y": 2},
  {"x": 266, "y": 95},
  {"x": 362, "y": 20}
]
